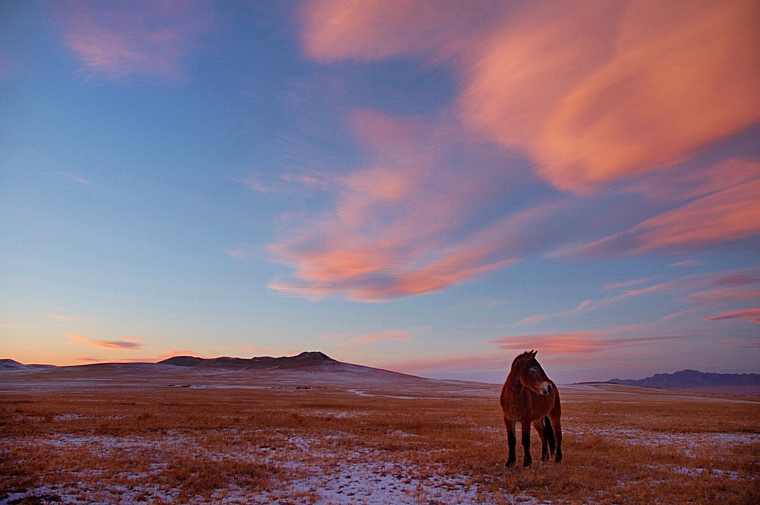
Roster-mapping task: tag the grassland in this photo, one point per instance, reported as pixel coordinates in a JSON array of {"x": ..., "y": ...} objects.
[{"x": 111, "y": 435}]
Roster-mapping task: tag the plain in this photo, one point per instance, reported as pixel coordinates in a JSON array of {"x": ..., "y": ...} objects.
[{"x": 166, "y": 434}]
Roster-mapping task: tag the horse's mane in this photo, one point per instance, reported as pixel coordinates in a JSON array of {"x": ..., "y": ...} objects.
[{"x": 526, "y": 354}]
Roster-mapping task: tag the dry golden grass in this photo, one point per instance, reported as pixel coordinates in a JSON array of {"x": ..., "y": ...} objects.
[{"x": 269, "y": 440}]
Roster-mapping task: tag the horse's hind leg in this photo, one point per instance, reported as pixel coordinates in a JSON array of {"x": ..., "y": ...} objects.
[
  {"x": 554, "y": 417},
  {"x": 526, "y": 443},
  {"x": 511, "y": 441},
  {"x": 542, "y": 434}
]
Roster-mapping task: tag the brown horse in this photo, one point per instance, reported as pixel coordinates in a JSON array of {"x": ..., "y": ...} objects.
[{"x": 529, "y": 396}]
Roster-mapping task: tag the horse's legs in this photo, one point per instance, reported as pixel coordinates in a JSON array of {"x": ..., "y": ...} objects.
[
  {"x": 539, "y": 425},
  {"x": 554, "y": 416},
  {"x": 526, "y": 443},
  {"x": 511, "y": 441}
]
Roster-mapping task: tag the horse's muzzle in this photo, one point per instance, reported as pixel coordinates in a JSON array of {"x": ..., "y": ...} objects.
[{"x": 546, "y": 388}]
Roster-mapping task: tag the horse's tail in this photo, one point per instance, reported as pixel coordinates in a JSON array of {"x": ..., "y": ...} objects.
[{"x": 549, "y": 434}]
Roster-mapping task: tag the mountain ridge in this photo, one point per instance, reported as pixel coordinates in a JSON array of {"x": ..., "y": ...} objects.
[
  {"x": 305, "y": 359},
  {"x": 312, "y": 362},
  {"x": 694, "y": 380}
]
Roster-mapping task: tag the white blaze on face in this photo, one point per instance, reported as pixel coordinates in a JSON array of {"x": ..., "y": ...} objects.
[{"x": 546, "y": 388}]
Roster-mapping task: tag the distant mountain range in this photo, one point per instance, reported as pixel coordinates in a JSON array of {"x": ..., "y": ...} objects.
[
  {"x": 12, "y": 364},
  {"x": 303, "y": 360},
  {"x": 312, "y": 361},
  {"x": 693, "y": 380},
  {"x": 303, "y": 371}
]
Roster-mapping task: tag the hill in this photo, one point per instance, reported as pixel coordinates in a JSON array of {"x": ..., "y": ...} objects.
[
  {"x": 694, "y": 380},
  {"x": 9, "y": 363},
  {"x": 304, "y": 360},
  {"x": 303, "y": 371}
]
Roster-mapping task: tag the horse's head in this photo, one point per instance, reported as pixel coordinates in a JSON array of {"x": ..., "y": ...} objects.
[{"x": 530, "y": 374}]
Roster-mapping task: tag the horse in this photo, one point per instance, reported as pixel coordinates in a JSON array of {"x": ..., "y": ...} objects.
[{"x": 529, "y": 396}]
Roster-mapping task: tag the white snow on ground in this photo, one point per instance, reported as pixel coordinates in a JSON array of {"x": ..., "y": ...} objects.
[
  {"x": 684, "y": 442},
  {"x": 359, "y": 476}
]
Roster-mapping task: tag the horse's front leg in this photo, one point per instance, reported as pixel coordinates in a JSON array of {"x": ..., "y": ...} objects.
[
  {"x": 511, "y": 441},
  {"x": 526, "y": 443}
]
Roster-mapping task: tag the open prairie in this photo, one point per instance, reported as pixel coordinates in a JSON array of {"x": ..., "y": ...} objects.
[{"x": 166, "y": 434}]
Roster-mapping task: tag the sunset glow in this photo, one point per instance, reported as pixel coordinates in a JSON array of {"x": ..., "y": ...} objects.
[{"x": 428, "y": 187}]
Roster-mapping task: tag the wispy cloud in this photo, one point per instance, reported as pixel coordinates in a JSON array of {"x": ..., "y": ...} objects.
[
  {"x": 688, "y": 263},
  {"x": 252, "y": 348},
  {"x": 600, "y": 91},
  {"x": 404, "y": 225},
  {"x": 593, "y": 94},
  {"x": 369, "y": 338},
  {"x": 575, "y": 342},
  {"x": 69, "y": 318},
  {"x": 88, "y": 359},
  {"x": 80, "y": 180},
  {"x": 136, "y": 39},
  {"x": 727, "y": 215},
  {"x": 126, "y": 344},
  {"x": 288, "y": 183},
  {"x": 701, "y": 290},
  {"x": 753, "y": 315},
  {"x": 242, "y": 252},
  {"x": 587, "y": 306},
  {"x": 580, "y": 342},
  {"x": 565, "y": 351},
  {"x": 626, "y": 284}
]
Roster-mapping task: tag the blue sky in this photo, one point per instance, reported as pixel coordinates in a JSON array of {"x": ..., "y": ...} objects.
[{"x": 427, "y": 188}]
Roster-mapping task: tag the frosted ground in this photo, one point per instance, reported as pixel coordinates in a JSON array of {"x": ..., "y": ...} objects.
[{"x": 157, "y": 434}]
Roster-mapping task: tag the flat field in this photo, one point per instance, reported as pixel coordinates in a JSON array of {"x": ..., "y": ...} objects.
[{"x": 163, "y": 434}]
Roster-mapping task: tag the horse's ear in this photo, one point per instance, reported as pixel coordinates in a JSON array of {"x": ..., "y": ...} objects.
[{"x": 534, "y": 353}]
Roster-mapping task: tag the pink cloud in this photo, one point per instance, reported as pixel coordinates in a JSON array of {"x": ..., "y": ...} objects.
[
  {"x": 625, "y": 284},
  {"x": 689, "y": 180},
  {"x": 712, "y": 296},
  {"x": 334, "y": 30},
  {"x": 702, "y": 290},
  {"x": 753, "y": 315},
  {"x": 587, "y": 306},
  {"x": 724, "y": 216},
  {"x": 400, "y": 227},
  {"x": 80, "y": 180},
  {"x": 127, "y": 344},
  {"x": 566, "y": 352},
  {"x": 593, "y": 92},
  {"x": 370, "y": 338},
  {"x": 252, "y": 348},
  {"x": 553, "y": 343},
  {"x": 69, "y": 318},
  {"x": 88, "y": 359},
  {"x": 580, "y": 342},
  {"x": 241, "y": 252},
  {"x": 688, "y": 263},
  {"x": 448, "y": 363},
  {"x": 149, "y": 38},
  {"x": 599, "y": 93}
]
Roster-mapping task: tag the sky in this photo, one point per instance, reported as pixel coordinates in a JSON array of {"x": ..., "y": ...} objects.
[{"x": 427, "y": 187}]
